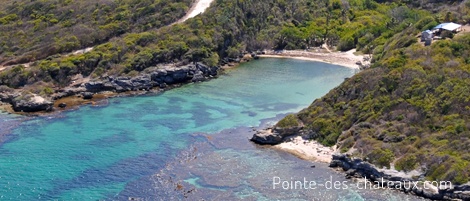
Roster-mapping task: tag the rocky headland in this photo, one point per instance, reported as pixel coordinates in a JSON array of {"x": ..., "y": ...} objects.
[{"x": 294, "y": 141}]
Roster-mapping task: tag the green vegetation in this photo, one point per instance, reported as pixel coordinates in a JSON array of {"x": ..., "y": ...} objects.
[
  {"x": 226, "y": 30},
  {"x": 382, "y": 158},
  {"x": 31, "y": 30},
  {"x": 411, "y": 108},
  {"x": 288, "y": 122},
  {"x": 407, "y": 163},
  {"x": 413, "y": 104}
]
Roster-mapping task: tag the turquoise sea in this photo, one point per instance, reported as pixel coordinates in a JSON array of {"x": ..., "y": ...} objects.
[{"x": 187, "y": 143}]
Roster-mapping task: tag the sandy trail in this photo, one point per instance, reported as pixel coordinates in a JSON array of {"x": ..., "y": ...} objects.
[{"x": 197, "y": 8}]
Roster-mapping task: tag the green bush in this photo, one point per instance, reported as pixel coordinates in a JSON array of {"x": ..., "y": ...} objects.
[
  {"x": 406, "y": 163},
  {"x": 382, "y": 158},
  {"x": 346, "y": 43},
  {"x": 288, "y": 122}
]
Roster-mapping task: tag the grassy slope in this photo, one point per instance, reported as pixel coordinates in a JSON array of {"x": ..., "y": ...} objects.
[
  {"x": 412, "y": 109},
  {"x": 31, "y": 30},
  {"x": 227, "y": 29},
  {"x": 415, "y": 113}
]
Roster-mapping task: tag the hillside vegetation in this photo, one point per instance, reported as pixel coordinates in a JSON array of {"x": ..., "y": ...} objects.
[
  {"x": 229, "y": 28},
  {"x": 411, "y": 110},
  {"x": 32, "y": 30}
]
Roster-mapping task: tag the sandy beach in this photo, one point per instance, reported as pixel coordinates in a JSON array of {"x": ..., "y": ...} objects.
[
  {"x": 307, "y": 149},
  {"x": 347, "y": 59}
]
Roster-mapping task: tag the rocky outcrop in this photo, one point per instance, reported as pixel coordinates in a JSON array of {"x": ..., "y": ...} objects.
[
  {"x": 360, "y": 169},
  {"x": 159, "y": 77},
  {"x": 31, "y": 103},
  {"x": 153, "y": 77},
  {"x": 267, "y": 137},
  {"x": 273, "y": 136},
  {"x": 87, "y": 95},
  {"x": 26, "y": 102},
  {"x": 68, "y": 91},
  {"x": 7, "y": 97}
]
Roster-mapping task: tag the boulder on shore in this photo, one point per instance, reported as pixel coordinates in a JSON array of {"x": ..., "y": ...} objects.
[
  {"x": 267, "y": 137},
  {"x": 87, "y": 95},
  {"x": 31, "y": 103},
  {"x": 273, "y": 136}
]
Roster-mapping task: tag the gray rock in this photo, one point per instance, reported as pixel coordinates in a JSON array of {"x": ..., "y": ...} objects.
[
  {"x": 98, "y": 86},
  {"x": 198, "y": 76},
  {"x": 87, "y": 95},
  {"x": 266, "y": 137},
  {"x": 7, "y": 97},
  {"x": 361, "y": 169},
  {"x": 69, "y": 91},
  {"x": 153, "y": 77},
  {"x": 31, "y": 103}
]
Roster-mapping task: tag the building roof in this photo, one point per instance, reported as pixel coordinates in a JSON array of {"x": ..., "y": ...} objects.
[
  {"x": 428, "y": 31},
  {"x": 450, "y": 26}
]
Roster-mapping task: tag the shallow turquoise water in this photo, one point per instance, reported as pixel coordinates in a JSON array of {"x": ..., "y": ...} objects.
[{"x": 110, "y": 151}]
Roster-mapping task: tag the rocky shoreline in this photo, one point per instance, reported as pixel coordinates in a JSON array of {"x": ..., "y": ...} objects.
[
  {"x": 358, "y": 168},
  {"x": 156, "y": 78},
  {"x": 85, "y": 91}
]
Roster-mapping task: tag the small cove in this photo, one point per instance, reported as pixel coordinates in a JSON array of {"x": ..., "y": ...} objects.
[{"x": 113, "y": 151}]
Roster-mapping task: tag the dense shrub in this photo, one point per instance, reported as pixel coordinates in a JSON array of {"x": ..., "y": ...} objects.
[{"x": 288, "y": 121}]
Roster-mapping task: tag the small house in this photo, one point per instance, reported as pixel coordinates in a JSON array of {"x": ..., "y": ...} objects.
[
  {"x": 450, "y": 26},
  {"x": 428, "y": 34}
]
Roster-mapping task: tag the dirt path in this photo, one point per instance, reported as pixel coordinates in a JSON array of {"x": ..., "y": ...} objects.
[{"x": 197, "y": 8}]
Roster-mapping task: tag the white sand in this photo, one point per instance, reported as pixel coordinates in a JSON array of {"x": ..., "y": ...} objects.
[
  {"x": 82, "y": 51},
  {"x": 346, "y": 59},
  {"x": 307, "y": 149},
  {"x": 198, "y": 7}
]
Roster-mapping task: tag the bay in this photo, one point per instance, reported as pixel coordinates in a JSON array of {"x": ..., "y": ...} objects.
[{"x": 196, "y": 134}]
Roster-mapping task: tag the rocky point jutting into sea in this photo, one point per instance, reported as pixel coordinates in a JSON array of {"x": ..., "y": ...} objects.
[{"x": 408, "y": 182}]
